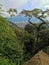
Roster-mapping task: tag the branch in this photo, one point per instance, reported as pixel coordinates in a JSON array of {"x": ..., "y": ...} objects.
[
  {"x": 33, "y": 24},
  {"x": 40, "y": 18}
]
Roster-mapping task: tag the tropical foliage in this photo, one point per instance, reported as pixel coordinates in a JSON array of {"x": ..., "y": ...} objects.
[{"x": 19, "y": 45}]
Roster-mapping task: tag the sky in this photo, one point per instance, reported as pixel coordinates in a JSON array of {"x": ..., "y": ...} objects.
[{"x": 25, "y": 4}]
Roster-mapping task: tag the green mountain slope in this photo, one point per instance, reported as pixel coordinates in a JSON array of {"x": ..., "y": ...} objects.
[
  {"x": 7, "y": 35},
  {"x": 10, "y": 47},
  {"x": 13, "y": 41},
  {"x": 16, "y": 44}
]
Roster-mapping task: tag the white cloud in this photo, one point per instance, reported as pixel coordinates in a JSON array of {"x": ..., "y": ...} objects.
[
  {"x": 47, "y": 6},
  {"x": 40, "y": 3},
  {"x": 43, "y": 2},
  {"x": 19, "y": 3},
  {"x": 13, "y": 3}
]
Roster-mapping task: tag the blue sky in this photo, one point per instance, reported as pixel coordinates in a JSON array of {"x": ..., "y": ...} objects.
[{"x": 25, "y": 4}]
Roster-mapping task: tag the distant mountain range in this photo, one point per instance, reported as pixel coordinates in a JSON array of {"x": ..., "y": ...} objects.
[{"x": 21, "y": 21}]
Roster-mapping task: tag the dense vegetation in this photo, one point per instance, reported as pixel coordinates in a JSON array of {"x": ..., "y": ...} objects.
[
  {"x": 19, "y": 45},
  {"x": 10, "y": 47},
  {"x": 12, "y": 43}
]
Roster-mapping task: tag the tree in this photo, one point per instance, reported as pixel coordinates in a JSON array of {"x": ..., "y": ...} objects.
[
  {"x": 12, "y": 12},
  {"x": 39, "y": 14},
  {"x": 1, "y": 10},
  {"x": 29, "y": 28}
]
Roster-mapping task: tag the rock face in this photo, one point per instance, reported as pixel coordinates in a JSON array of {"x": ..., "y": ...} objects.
[{"x": 41, "y": 58}]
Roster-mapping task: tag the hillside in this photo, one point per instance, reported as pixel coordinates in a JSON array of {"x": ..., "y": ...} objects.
[
  {"x": 7, "y": 33},
  {"x": 12, "y": 40},
  {"x": 9, "y": 44},
  {"x": 16, "y": 44}
]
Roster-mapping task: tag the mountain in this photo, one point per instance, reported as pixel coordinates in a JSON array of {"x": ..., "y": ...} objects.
[
  {"x": 7, "y": 33},
  {"x": 21, "y": 19},
  {"x": 14, "y": 42},
  {"x": 12, "y": 39},
  {"x": 9, "y": 44}
]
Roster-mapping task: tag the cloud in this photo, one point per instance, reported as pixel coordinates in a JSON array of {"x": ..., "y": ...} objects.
[
  {"x": 13, "y": 3},
  {"x": 47, "y": 6},
  {"x": 21, "y": 4},
  {"x": 39, "y": 3},
  {"x": 43, "y": 2}
]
